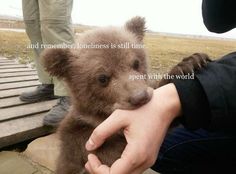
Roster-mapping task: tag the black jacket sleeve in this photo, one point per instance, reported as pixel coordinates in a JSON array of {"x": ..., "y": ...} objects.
[
  {"x": 219, "y": 15},
  {"x": 209, "y": 101}
]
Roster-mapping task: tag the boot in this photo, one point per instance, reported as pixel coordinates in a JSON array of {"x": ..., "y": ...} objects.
[
  {"x": 57, "y": 113},
  {"x": 41, "y": 93}
]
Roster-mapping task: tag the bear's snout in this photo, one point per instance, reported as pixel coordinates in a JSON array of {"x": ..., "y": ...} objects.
[{"x": 140, "y": 97}]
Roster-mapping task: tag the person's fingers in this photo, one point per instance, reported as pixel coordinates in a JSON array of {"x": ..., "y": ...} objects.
[
  {"x": 94, "y": 166},
  {"x": 134, "y": 160},
  {"x": 127, "y": 164},
  {"x": 111, "y": 125},
  {"x": 130, "y": 160},
  {"x": 88, "y": 167},
  {"x": 102, "y": 169}
]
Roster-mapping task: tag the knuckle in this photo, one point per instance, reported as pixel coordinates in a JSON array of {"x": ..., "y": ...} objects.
[{"x": 97, "y": 135}]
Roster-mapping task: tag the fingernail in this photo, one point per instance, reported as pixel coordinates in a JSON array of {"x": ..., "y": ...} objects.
[
  {"x": 87, "y": 166},
  {"x": 90, "y": 145}
]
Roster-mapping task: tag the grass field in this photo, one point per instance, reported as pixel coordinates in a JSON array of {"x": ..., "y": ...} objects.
[
  {"x": 14, "y": 45},
  {"x": 164, "y": 51}
]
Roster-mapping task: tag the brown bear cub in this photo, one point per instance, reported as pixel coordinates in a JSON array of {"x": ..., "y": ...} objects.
[{"x": 99, "y": 82}]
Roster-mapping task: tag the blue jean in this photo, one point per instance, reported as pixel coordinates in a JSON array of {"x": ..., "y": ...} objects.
[{"x": 199, "y": 152}]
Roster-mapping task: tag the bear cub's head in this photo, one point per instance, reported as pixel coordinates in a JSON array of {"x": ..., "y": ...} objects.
[{"x": 100, "y": 79}]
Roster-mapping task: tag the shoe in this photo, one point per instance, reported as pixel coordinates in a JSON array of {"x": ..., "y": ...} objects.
[
  {"x": 57, "y": 113},
  {"x": 41, "y": 93}
]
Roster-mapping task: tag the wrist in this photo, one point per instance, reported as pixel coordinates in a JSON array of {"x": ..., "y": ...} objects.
[{"x": 167, "y": 102}]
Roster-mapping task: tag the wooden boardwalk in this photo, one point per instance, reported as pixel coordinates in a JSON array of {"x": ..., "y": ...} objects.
[{"x": 19, "y": 121}]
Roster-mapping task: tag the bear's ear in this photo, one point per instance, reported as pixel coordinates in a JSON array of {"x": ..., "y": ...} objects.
[
  {"x": 136, "y": 25},
  {"x": 57, "y": 61}
]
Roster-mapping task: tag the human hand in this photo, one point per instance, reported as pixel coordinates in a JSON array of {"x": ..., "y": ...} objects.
[{"x": 144, "y": 130}]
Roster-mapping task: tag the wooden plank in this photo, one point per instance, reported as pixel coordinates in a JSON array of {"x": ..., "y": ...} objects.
[
  {"x": 18, "y": 84},
  {"x": 9, "y": 102},
  {"x": 2, "y": 57},
  {"x": 16, "y": 70},
  {"x": 25, "y": 110},
  {"x": 19, "y": 130},
  {"x": 16, "y": 74},
  {"x": 10, "y": 63},
  {"x": 6, "y": 61},
  {"x": 18, "y": 79},
  {"x": 19, "y": 121},
  {"x": 13, "y": 66},
  {"x": 15, "y": 92}
]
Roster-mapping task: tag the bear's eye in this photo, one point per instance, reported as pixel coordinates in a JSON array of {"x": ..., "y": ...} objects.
[
  {"x": 103, "y": 80},
  {"x": 135, "y": 65}
]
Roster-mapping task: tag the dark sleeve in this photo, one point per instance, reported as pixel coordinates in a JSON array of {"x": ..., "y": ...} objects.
[
  {"x": 195, "y": 106},
  {"x": 219, "y": 15},
  {"x": 209, "y": 101}
]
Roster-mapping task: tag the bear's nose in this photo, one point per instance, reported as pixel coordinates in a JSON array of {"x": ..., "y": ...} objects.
[{"x": 139, "y": 98}]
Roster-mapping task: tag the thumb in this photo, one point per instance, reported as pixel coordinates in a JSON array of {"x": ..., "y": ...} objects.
[{"x": 111, "y": 125}]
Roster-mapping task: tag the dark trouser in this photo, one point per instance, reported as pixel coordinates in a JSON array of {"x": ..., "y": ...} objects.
[{"x": 199, "y": 152}]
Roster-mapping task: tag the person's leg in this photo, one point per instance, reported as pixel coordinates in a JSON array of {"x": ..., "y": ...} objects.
[
  {"x": 32, "y": 25},
  {"x": 56, "y": 28},
  {"x": 199, "y": 151}
]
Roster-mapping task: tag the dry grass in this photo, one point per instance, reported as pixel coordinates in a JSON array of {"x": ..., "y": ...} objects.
[
  {"x": 14, "y": 45},
  {"x": 164, "y": 51}
]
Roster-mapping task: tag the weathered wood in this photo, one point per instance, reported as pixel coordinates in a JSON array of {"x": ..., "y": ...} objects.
[
  {"x": 18, "y": 84},
  {"x": 17, "y": 74},
  {"x": 19, "y": 121},
  {"x": 15, "y": 92},
  {"x": 15, "y": 70},
  {"x": 9, "y": 63},
  {"x": 6, "y": 61},
  {"x": 4, "y": 58},
  {"x": 18, "y": 79},
  {"x": 11, "y": 101},
  {"x": 25, "y": 110},
  {"x": 19, "y": 130},
  {"x": 12, "y": 66}
]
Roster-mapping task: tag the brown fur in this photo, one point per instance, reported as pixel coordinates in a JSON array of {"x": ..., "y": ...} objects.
[
  {"x": 188, "y": 65},
  {"x": 99, "y": 83},
  {"x": 98, "y": 80}
]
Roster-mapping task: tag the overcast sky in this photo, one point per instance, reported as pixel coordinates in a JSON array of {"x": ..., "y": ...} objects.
[{"x": 174, "y": 16}]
